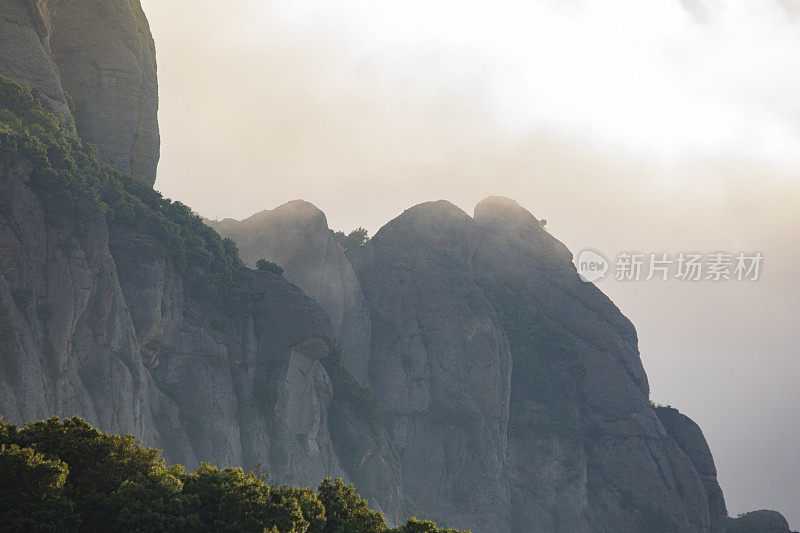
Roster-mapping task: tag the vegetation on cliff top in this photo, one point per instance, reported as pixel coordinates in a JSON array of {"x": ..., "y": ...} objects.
[
  {"x": 262, "y": 265},
  {"x": 353, "y": 241},
  {"x": 64, "y": 475},
  {"x": 73, "y": 184}
]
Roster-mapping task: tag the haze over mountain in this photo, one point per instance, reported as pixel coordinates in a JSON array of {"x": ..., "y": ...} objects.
[
  {"x": 627, "y": 125},
  {"x": 454, "y": 366}
]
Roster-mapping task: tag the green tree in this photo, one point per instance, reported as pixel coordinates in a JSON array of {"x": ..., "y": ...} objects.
[
  {"x": 268, "y": 266},
  {"x": 64, "y": 475},
  {"x": 99, "y": 464},
  {"x": 421, "y": 526},
  {"x": 73, "y": 184},
  {"x": 310, "y": 506},
  {"x": 353, "y": 240},
  {"x": 346, "y": 511},
  {"x": 31, "y": 492}
]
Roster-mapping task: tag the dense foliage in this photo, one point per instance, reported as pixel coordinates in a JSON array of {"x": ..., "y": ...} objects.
[
  {"x": 73, "y": 184},
  {"x": 268, "y": 266},
  {"x": 65, "y": 475},
  {"x": 353, "y": 241}
]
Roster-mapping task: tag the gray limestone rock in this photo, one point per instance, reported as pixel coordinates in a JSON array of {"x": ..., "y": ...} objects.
[
  {"x": 440, "y": 366},
  {"x": 296, "y": 236},
  {"x": 581, "y": 391},
  {"x": 759, "y": 522},
  {"x": 93, "y": 61},
  {"x": 102, "y": 326}
]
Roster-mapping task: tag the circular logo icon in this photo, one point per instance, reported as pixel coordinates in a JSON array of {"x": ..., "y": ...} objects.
[{"x": 592, "y": 266}]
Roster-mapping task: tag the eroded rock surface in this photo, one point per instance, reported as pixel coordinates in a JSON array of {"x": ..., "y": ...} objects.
[
  {"x": 92, "y": 61},
  {"x": 496, "y": 367},
  {"x": 579, "y": 394},
  {"x": 101, "y": 326},
  {"x": 511, "y": 393},
  {"x": 763, "y": 521},
  {"x": 296, "y": 236},
  {"x": 440, "y": 365}
]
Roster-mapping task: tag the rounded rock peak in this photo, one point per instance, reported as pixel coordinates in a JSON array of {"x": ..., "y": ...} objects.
[
  {"x": 301, "y": 207},
  {"x": 298, "y": 212},
  {"x": 438, "y": 225},
  {"x": 441, "y": 208},
  {"x": 508, "y": 226},
  {"x": 435, "y": 217},
  {"x": 500, "y": 207},
  {"x": 765, "y": 521}
]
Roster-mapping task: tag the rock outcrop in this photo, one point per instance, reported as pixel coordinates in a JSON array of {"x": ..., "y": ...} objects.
[
  {"x": 692, "y": 442},
  {"x": 440, "y": 365},
  {"x": 582, "y": 397},
  {"x": 296, "y": 236},
  {"x": 759, "y": 522},
  {"x": 92, "y": 61},
  {"x": 496, "y": 367},
  {"x": 101, "y": 326}
]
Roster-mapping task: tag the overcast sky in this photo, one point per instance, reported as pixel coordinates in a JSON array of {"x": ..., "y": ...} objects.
[{"x": 659, "y": 126}]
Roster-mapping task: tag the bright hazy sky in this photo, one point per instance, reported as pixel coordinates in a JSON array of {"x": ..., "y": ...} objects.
[{"x": 658, "y": 126}]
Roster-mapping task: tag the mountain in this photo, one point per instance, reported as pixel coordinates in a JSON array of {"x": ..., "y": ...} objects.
[
  {"x": 92, "y": 61},
  {"x": 496, "y": 367},
  {"x": 320, "y": 267},
  {"x": 123, "y": 308},
  {"x": 453, "y": 367}
]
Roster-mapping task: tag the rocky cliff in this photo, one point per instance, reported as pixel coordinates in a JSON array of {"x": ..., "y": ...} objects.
[
  {"x": 123, "y": 308},
  {"x": 496, "y": 367},
  {"x": 101, "y": 326},
  {"x": 319, "y": 267},
  {"x": 455, "y": 367},
  {"x": 94, "y": 62}
]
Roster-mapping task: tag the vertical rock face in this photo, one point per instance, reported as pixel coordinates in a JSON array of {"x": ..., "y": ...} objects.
[
  {"x": 93, "y": 61},
  {"x": 69, "y": 344},
  {"x": 296, "y": 236},
  {"x": 107, "y": 61},
  {"x": 581, "y": 391},
  {"x": 255, "y": 393},
  {"x": 691, "y": 441},
  {"x": 101, "y": 326},
  {"x": 25, "y": 53},
  {"x": 440, "y": 365}
]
